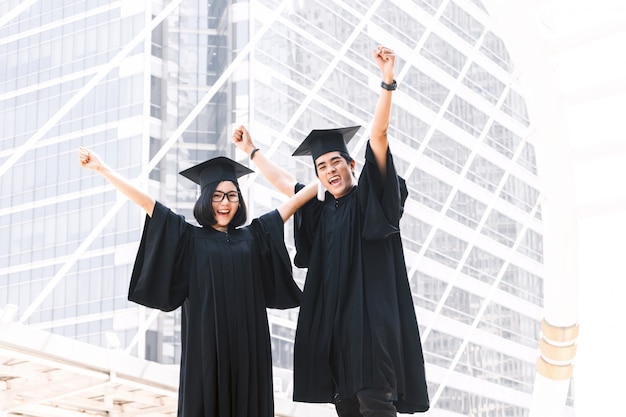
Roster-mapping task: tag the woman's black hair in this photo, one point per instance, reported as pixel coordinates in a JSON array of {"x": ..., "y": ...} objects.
[{"x": 203, "y": 209}]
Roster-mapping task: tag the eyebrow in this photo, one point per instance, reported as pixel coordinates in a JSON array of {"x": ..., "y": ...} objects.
[{"x": 334, "y": 158}]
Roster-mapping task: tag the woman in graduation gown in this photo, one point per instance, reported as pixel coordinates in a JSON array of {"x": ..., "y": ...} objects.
[{"x": 224, "y": 276}]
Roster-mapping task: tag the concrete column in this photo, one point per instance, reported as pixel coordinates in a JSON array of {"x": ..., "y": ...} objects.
[{"x": 516, "y": 26}]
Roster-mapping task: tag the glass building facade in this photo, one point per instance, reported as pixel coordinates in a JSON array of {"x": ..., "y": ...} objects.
[{"x": 155, "y": 87}]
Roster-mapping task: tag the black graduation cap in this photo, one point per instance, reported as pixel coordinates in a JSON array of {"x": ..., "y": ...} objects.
[
  {"x": 321, "y": 141},
  {"x": 220, "y": 168}
]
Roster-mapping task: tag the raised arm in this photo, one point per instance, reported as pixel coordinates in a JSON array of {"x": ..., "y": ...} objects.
[
  {"x": 385, "y": 59},
  {"x": 289, "y": 207},
  {"x": 280, "y": 178},
  {"x": 90, "y": 160}
]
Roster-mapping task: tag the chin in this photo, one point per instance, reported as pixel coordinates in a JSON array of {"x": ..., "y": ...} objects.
[{"x": 223, "y": 223}]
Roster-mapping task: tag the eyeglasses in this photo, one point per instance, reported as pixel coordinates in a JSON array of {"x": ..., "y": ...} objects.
[{"x": 218, "y": 196}]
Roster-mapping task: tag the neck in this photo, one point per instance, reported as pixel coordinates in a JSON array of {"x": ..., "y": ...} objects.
[
  {"x": 345, "y": 192},
  {"x": 223, "y": 229}
]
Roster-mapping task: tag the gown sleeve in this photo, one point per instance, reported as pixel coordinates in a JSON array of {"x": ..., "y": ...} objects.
[
  {"x": 160, "y": 277},
  {"x": 305, "y": 223},
  {"x": 279, "y": 288},
  {"x": 382, "y": 199}
]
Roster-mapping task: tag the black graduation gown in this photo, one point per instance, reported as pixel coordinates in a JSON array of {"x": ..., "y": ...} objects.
[
  {"x": 357, "y": 327},
  {"x": 224, "y": 282}
]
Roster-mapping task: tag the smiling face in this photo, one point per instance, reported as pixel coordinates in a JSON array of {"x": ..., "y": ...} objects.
[
  {"x": 335, "y": 173},
  {"x": 223, "y": 206}
]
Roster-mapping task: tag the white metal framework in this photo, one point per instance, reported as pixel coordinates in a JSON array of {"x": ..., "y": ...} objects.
[{"x": 44, "y": 375}]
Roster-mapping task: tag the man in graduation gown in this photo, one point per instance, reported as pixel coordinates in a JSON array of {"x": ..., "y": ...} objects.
[{"x": 357, "y": 342}]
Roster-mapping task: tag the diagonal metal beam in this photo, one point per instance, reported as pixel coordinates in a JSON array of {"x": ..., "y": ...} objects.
[
  {"x": 25, "y": 4},
  {"x": 113, "y": 63},
  {"x": 485, "y": 303},
  {"x": 153, "y": 162},
  {"x": 407, "y": 67},
  {"x": 479, "y": 226},
  {"x": 338, "y": 56},
  {"x": 403, "y": 72},
  {"x": 72, "y": 259},
  {"x": 468, "y": 163},
  {"x": 243, "y": 54},
  {"x": 143, "y": 326}
]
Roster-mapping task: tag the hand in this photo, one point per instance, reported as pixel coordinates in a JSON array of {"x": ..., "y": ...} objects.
[
  {"x": 89, "y": 159},
  {"x": 385, "y": 59},
  {"x": 243, "y": 140}
]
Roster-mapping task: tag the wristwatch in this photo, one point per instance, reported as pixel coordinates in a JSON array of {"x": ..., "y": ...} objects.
[{"x": 389, "y": 87}]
